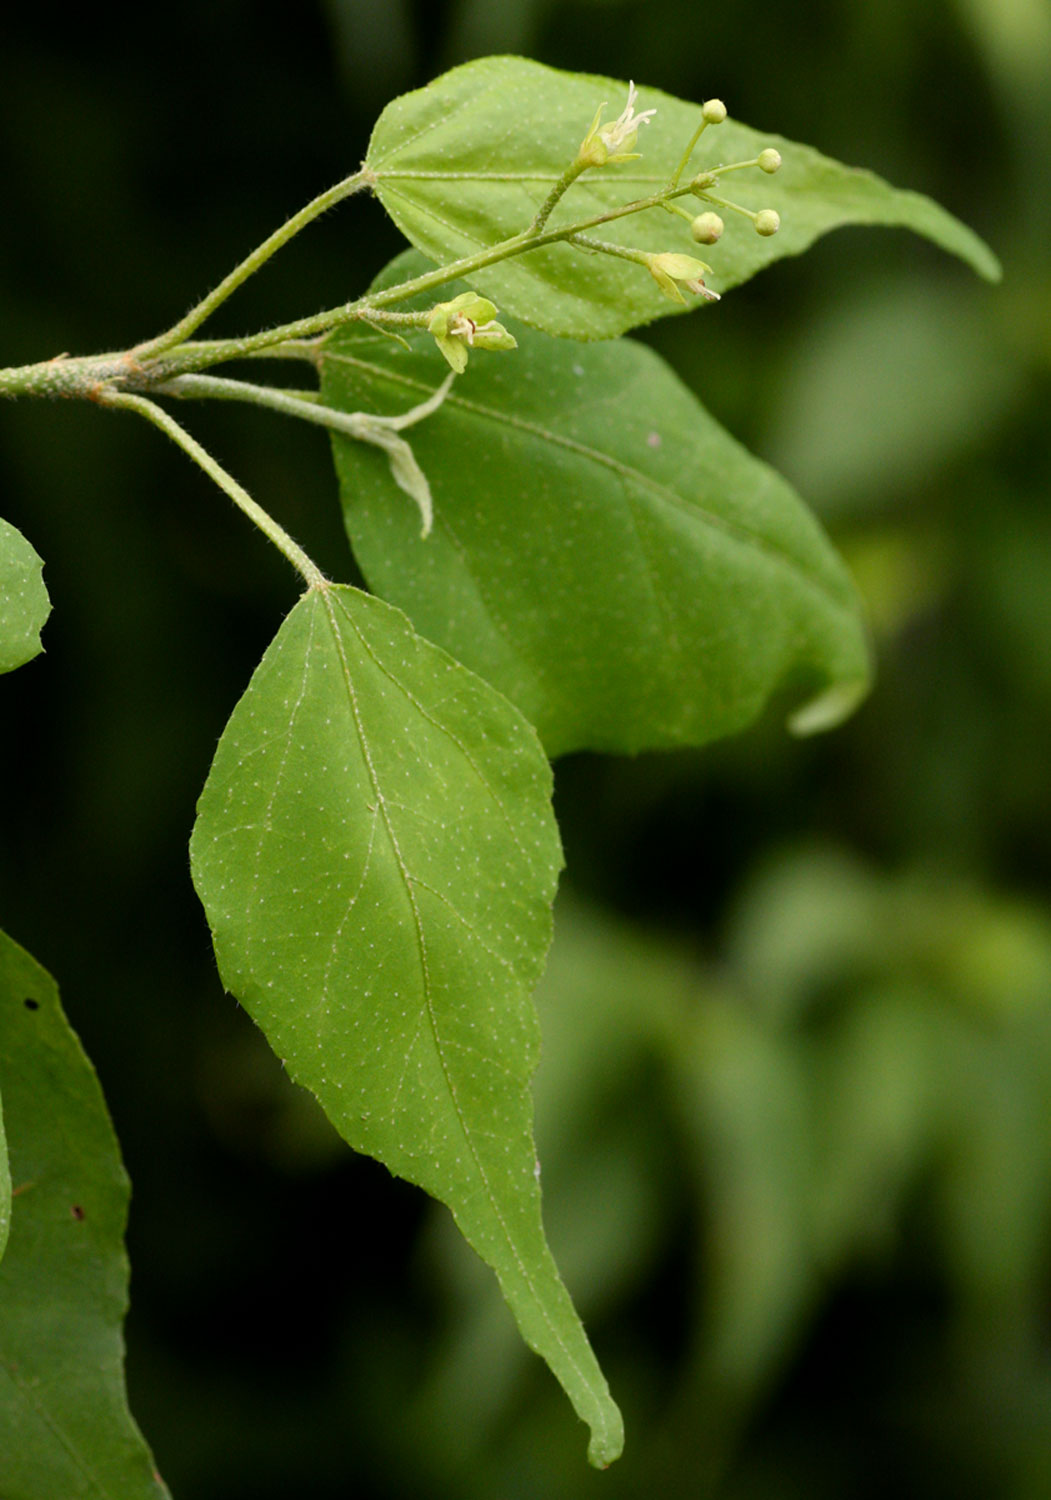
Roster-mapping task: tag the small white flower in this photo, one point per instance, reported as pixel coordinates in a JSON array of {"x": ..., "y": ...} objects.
[
  {"x": 615, "y": 141},
  {"x": 622, "y": 133}
]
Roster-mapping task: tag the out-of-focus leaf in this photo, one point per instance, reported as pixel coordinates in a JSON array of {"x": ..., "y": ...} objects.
[
  {"x": 467, "y": 161},
  {"x": 807, "y": 919},
  {"x": 993, "y": 1189},
  {"x": 888, "y": 387},
  {"x": 24, "y": 604},
  {"x": 377, "y": 856},
  {"x": 65, "y": 1428},
  {"x": 875, "y": 1120},
  {"x": 744, "y": 1094},
  {"x": 603, "y": 551}
]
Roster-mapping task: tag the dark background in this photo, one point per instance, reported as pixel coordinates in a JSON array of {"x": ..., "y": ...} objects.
[{"x": 793, "y": 1110}]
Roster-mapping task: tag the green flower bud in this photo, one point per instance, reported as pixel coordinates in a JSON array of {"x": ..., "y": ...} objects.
[
  {"x": 767, "y": 221},
  {"x": 671, "y": 271},
  {"x": 769, "y": 160},
  {"x": 707, "y": 228},
  {"x": 713, "y": 111}
]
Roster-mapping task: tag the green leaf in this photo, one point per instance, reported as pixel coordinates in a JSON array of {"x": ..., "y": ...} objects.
[
  {"x": 465, "y": 163},
  {"x": 603, "y": 552},
  {"x": 24, "y": 604},
  {"x": 5, "y": 1188},
  {"x": 376, "y": 853},
  {"x": 65, "y": 1428}
]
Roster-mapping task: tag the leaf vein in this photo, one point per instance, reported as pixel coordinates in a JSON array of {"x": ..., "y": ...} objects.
[
  {"x": 444, "y": 730},
  {"x": 734, "y": 529},
  {"x": 324, "y": 1010},
  {"x": 432, "y": 1016}
]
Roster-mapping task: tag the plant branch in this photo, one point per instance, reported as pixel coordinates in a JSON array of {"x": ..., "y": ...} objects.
[
  {"x": 608, "y": 247},
  {"x": 160, "y": 360},
  {"x": 181, "y": 331},
  {"x": 374, "y": 305}
]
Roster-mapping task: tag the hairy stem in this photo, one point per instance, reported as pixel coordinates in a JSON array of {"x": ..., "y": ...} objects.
[
  {"x": 126, "y": 401},
  {"x": 609, "y": 247},
  {"x": 160, "y": 360},
  {"x": 680, "y": 169},
  {"x": 516, "y": 245},
  {"x": 181, "y": 331},
  {"x": 543, "y": 213},
  {"x": 199, "y": 356},
  {"x": 306, "y": 405}
]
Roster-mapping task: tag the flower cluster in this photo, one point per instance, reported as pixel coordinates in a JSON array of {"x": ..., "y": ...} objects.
[{"x": 674, "y": 273}]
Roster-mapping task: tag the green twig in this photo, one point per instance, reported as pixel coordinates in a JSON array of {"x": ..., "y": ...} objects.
[
  {"x": 181, "y": 331},
  {"x": 680, "y": 169},
  {"x": 160, "y": 360},
  {"x": 609, "y": 247},
  {"x": 365, "y": 427},
  {"x": 373, "y": 305},
  {"x": 305, "y": 405},
  {"x": 543, "y": 213},
  {"x": 737, "y": 208},
  {"x": 126, "y": 401}
]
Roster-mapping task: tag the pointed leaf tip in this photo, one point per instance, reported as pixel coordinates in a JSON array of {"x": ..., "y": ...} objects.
[
  {"x": 439, "y": 179},
  {"x": 377, "y": 855}
]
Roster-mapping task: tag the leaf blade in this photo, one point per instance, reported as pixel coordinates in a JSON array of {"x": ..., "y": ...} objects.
[
  {"x": 603, "y": 552},
  {"x": 24, "y": 604},
  {"x": 465, "y": 162},
  {"x": 392, "y": 813},
  {"x": 5, "y": 1186},
  {"x": 65, "y": 1428}
]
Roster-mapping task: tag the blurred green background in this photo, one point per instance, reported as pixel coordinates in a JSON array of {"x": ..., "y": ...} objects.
[{"x": 794, "y": 1106}]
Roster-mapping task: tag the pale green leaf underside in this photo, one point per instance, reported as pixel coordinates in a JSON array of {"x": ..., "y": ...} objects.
[
  {"x": 603, "y": 551},
  {"x": 65, "y": 1428},
  {"x": 24, "y": 605},
  {"x": 466, "y": 162},
  {"x": 376, "y": 853}
]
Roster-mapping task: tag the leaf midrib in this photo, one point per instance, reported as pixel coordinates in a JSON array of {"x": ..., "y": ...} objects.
[
  {"x": 691, "y": 508},
  {"x": 408, "y": 881}
]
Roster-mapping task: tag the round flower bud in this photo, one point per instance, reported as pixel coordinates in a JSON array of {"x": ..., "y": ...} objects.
[
  {"x": 767, "y": 221},
  {"x": 769, "y": 160},
  {"x": 707, "y": 228},
  {"x": 713, "y": 111}
]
